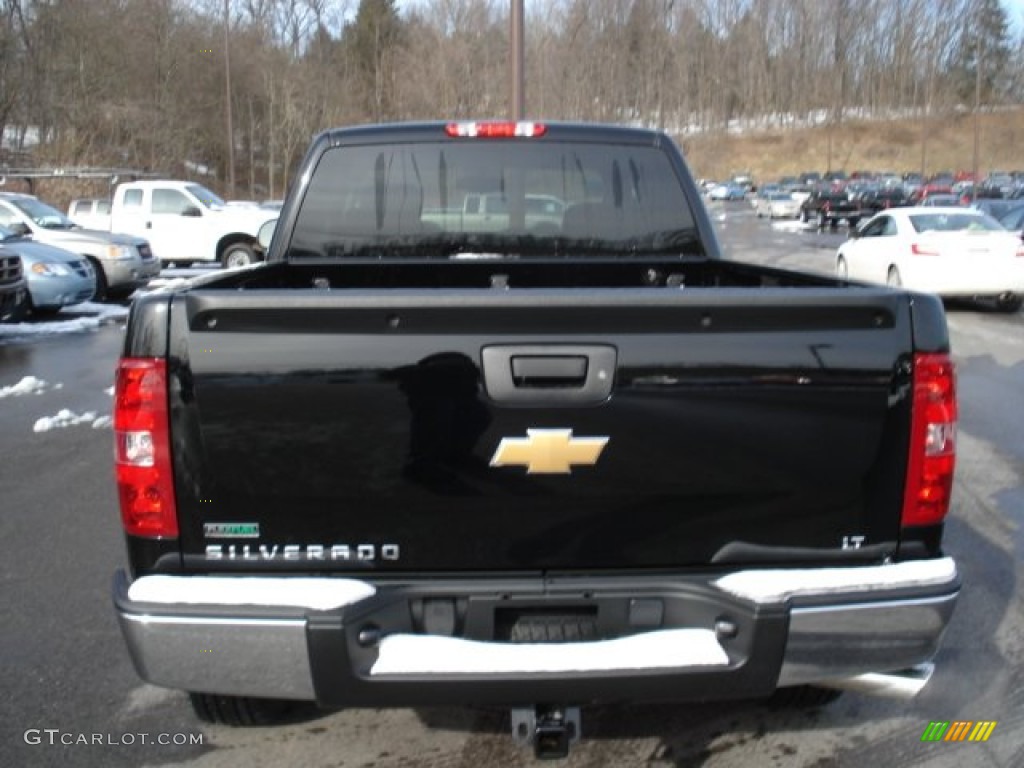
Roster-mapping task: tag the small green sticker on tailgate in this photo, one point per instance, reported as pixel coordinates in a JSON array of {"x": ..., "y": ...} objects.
[{"x": 231, "y": 530}]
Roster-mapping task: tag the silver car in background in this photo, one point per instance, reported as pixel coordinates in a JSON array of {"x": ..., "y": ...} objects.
[
  {"x": 56, "y": 278},
  {"x": 122, "y": 263},
  {"x": 777, "y": 205}
]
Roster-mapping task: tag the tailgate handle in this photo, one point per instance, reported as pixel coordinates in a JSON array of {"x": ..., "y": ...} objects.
[
  {"x": 549, "y": 374},
  {"x": 554, "y": 370}
]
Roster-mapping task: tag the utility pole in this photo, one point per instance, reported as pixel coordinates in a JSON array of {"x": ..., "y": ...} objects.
[
  {"x": 517, "y": 80},
  {"x": 977, "y": 108},
  {"x": 227, "y": 100}
]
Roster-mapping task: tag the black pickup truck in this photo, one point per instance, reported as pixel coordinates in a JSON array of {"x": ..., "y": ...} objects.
[
  {"x": 826, "y": 207},
  {"x": 408, "y": 462}
]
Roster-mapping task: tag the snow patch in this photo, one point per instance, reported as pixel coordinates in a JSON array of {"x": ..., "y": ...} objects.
[
  {"x": 765, "y": 586},
  {"x": 318, "y": 594},
  {"x": 29, "y": 385},
  {"x": 792, "y": 226},
  {"x": 87, "y": 316},
  {"x": 434, "y": 654},
  {"x": 67, "y": 418},
  {"x": 102, "y": 312},
  {"x": 165, "y": 284}
]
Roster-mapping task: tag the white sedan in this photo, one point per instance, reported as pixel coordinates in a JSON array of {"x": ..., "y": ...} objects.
[
  {"x": 777, "y": 205},
  {"x": 954, "y": 252}
]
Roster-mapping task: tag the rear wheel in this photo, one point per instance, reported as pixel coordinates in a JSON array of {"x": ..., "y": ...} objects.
[
  {"x": 102, "y": 289},
  {"x": 893, "y": 279},
  {"x": 240, "y": 710},
  {"x": 238, "y": 255},
  {"x": 1009, "y": 302},
  {"x": 803, "y": 697}
]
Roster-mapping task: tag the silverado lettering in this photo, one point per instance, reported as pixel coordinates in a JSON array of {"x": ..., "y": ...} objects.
[
  {"x": 474, "y": 339},
  {"x": 360, "y": 552}
]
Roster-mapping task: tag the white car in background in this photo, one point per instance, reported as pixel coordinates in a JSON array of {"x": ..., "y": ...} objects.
[
  {"x": 954, "y": 252},
  {"x": 777, "y": 205}
]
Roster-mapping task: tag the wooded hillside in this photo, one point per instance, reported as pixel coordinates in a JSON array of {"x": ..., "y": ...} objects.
[{"x": 144, "y": 83}]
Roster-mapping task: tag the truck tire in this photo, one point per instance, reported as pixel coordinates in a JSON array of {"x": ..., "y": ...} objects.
[
  {"x": 238, "y": 255},
  {"x": 240, "y": 710},
  {"x": 804, "y": 218},
  {"x": 803, "y": 697},
  {"x": 1009, "y": 303},
  {"x": 102, "y": 288}
]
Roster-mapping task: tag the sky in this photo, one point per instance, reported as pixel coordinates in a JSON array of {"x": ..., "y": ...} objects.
[{"x": 1015, "y": 12}]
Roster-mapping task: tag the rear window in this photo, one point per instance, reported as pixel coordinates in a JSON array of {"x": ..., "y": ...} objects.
[
  {"x": 954, "y": 222},
  {"x": 515, "y": 198}
]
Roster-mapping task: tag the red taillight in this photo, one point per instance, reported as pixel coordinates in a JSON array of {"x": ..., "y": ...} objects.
[
  {"x": 923, "y": 250},
  {"x": 142, "y": 451},
  {"x": 495, "y": 130},
  {"x": 932, "y": 441}
]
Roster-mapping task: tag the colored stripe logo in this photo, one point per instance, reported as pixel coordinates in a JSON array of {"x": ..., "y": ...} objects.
[{"x": 959, "y": 730}]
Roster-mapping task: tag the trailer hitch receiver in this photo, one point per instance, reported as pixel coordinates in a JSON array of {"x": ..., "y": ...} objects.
[{"x": 549, "y": 730}]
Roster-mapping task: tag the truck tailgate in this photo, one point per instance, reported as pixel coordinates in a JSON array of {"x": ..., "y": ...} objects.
[{"x": 403, "y": 429}]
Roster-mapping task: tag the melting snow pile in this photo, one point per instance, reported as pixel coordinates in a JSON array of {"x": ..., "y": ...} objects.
[
  {"x": 66, "y": 418},
  {"x": 29, "y": 385}
]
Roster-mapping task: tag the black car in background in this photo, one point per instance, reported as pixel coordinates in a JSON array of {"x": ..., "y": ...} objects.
[{"x": 13, "y": 288}]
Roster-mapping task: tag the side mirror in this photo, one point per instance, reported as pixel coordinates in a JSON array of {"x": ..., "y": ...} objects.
[
  {"x": 20, "y": 228},
  {"x": 192, "y": 212},
  {"x": 266, "y": 234}
]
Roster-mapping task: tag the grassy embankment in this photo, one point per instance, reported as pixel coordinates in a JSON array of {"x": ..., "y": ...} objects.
[{"x": 878, "y": 146}]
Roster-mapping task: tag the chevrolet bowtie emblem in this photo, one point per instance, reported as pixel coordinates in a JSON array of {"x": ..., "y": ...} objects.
[{"x": 548, "y": 451}]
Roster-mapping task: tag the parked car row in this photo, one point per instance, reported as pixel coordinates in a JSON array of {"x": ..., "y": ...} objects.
[
  {"x": 108, "y": 248},
  {"x": 120, "y": 263},
  {"x": 54, "y": 278}
]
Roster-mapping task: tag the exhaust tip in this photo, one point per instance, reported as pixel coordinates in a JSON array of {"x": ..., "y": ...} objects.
[{"x": 901, "y": 684}]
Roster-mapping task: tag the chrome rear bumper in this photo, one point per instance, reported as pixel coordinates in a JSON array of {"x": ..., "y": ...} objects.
[{"x": 858, "y": 628}]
